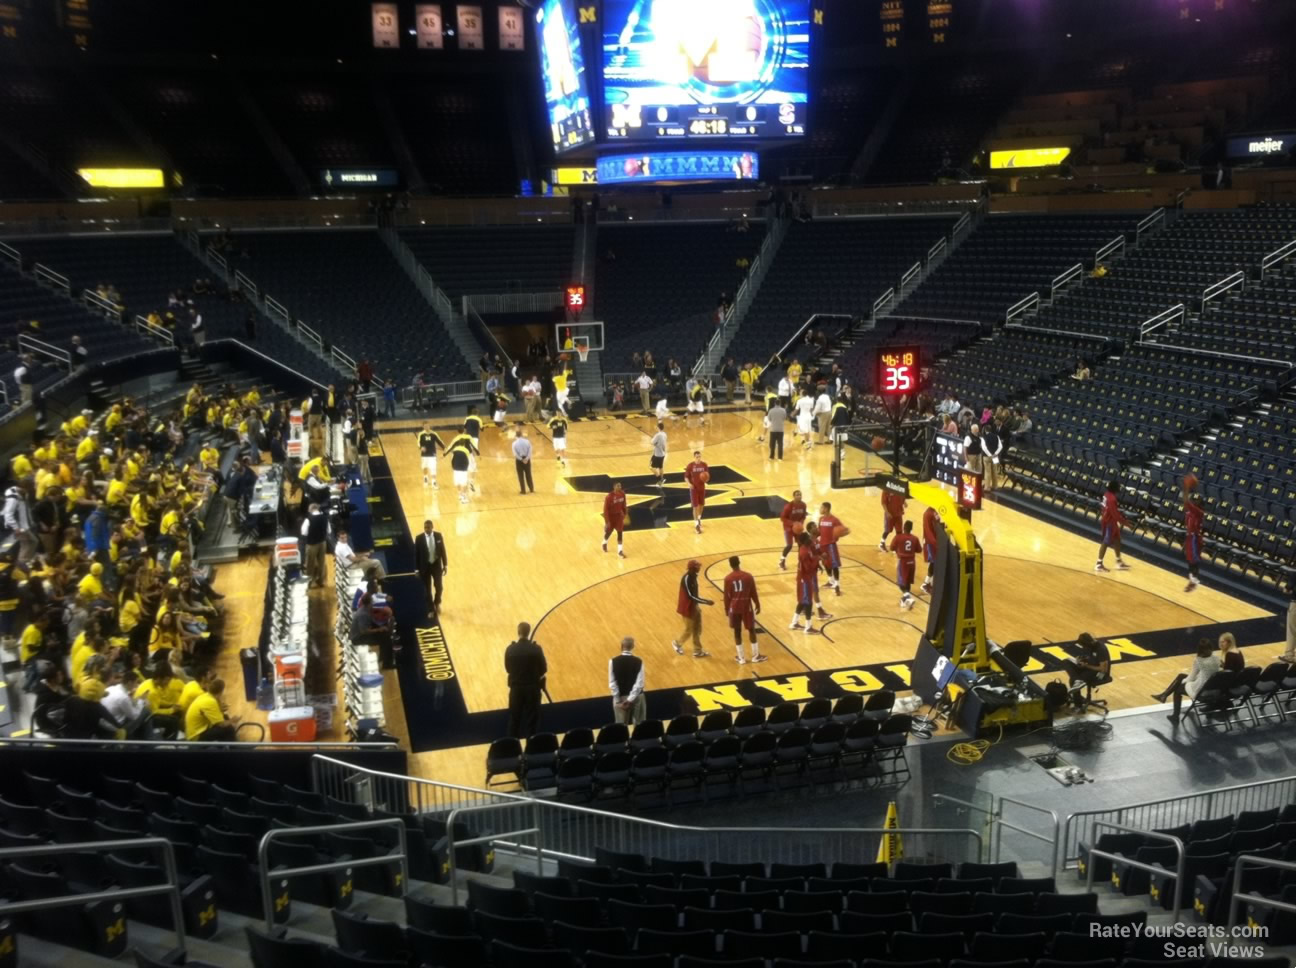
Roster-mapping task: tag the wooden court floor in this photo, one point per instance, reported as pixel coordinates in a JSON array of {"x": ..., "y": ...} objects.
[{"x": 537, "y": 558}]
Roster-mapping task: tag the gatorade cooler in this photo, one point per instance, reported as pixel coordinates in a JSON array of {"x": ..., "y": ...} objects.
[
  {"x": 296, "y": 449},
  {"x": 292, "y": 724},
  {"x": 289, "y": 666}
]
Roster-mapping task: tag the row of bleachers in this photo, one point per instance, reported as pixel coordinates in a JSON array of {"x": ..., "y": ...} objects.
[
  {"x": 1009, "y": 365},
  {"x": 1007, "y": 258},
  {"x": 822, "y": 740},
  {"x": 837, "y": 266},
  {"x": 347, "y": 286},
  {"x": 146, "y": 269},
  {"x": 23, "y": 300},
  {"x": 1173, "y": 266},
  {"x": 658, "y": 284},
  {"x": 495, "y": 259}
]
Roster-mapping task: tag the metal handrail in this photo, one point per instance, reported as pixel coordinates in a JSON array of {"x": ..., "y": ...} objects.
[
  {"x": 511, "y": 302},
  {"x": 451, "y": 843},
  {"x": 1149, "y": 223},
  {"x": 1022, "y": 306},
  {"x": 912, "y": 271},
  {"x": 275, "y": 308},
  {"x": 1171, "y": 811},
  {"x": 10, "y": 253},
  {"x": 1062, "y": 278},
  {"x": 798, "y": 335},
  {"x": 1280, "y": 254},
  {"x": 961, "y": 224},
  {"x": 995, "y": 824},
  {"x": 310, "y": 334},
  {"x": 1178, "y": 874},
  {"x": 400, "y": 788},
  {"x": 479, "y": 329},
  {"x": 343, "y": 361},
  {"x": 219, "y": 261},
  {"x": 242, "y": 282},
  {"x": 56, "y": 279},
  {"x": 1261, "y": 360},
  {"x": 107, "y": 306},
  {"x": 939, "y": 319},
  {"x": 1057, "y": 332},
  {"x": 937, "y": 249},
  {"x": 881, "y": 302},
  {"x": 537, "y": 808},
  {"x": 170, "y": 888},
  {"x": 280, "y": 833},
  {"x": 188, "y": 745},
  {"x": 34, "y": 345},
  {"x": 1215, "y": 290},
  {"x": 1152, "y": 323},
  {"x": 149, "y": 329},
  {"x": 1269, "y": 902},
  {"x": 1109, "y": 249}
]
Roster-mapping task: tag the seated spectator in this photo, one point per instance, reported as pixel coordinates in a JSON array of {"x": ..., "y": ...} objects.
[
  {"x": 205, "y": 718},
  {"x": 1231, "y": 659},
  {"x": 132, "y": 715},
  {"x": 362, "y": 562},
  {"x": 1189, "y": 684},
  {"x": 1081, "y": 371}
]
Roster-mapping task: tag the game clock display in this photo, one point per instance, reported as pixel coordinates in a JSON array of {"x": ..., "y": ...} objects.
[
  {"x": 705, "y": 70},
  {"x": 898, "y": 370}
]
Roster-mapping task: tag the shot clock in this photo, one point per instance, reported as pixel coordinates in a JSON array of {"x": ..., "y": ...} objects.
[
  {"x": 575, "y": 299},
  {"x": 898, "y": 370}
]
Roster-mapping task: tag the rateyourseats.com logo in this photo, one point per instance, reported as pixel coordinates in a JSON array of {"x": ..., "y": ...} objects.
[{"x": 1184, "y": 941}]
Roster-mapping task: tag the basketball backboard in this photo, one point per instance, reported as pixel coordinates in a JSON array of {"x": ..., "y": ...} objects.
[{"x": 567, "y": 334}]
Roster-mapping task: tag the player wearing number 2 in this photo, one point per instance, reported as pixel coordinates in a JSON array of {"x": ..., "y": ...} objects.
[
  {"x": 906, "y": 546},
  {"x": 742, "y": 605},
  {"x": 696, "y": 473}
]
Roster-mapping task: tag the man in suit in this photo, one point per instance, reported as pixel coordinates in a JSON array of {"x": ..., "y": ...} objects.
[
  {"x": 431, "y": 562},
  {"x": 524, "y": 661}
]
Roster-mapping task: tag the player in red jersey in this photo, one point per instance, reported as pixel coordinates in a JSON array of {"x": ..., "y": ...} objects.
[
  {"x": 807, "y": 584},
  {"x": 831, "y": 530},
  {"x": 906, "y": 546},
  {"x": 742, "y": 605},
  {"x": 893, "y": 506},
  {"x": 1194, "y": 513},
  {"x": 1111, "y": 522},
  {"x": 614, "y": 512},
  {"x": 812, "y": 531},
  {"x": 793, "y": 517},
  {"x": 930, "y": 520},
  {"x": 696, "y": 473}
]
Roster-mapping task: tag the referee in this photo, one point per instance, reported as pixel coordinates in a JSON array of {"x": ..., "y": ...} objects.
[{"x": 522, "y": 461}]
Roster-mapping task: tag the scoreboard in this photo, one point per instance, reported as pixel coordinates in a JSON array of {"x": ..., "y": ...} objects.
[
  {"x": 705, "y": 70},
  {"x": 898, "y": 370}
]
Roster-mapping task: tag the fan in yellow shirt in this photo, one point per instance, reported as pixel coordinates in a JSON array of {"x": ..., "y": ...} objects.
[
  {"x": 139, "y": 509},
  {"x": 33, "y": 639},
  {"x": 116, "y": 492},
  {"x": 21, "y": 466},
  {"x": 162, "y": 692},
  {"x": 91, "y": 586},
  {"x": 205, "y": 715},
  {"x": 210, "y": 458},
  {"x": 114, "y": 418}
]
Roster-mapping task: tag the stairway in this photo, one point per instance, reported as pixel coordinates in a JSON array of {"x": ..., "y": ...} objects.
[
  {"x": 452, "y": 318},
  {"x": 746, "y": 295}
]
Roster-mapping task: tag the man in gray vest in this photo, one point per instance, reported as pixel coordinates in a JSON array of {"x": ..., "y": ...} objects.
[{"x": 626, "y": 680}]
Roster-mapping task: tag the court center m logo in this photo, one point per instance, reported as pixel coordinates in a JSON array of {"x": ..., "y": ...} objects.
[{"x": 650, "y": 507}]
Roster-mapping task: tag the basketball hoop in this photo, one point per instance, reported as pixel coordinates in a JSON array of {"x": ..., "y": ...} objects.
[{"x": 582, "y": 349}]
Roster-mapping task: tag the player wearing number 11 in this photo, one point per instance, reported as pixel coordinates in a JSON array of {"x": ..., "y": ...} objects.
[{"x": 742, "y": 605}]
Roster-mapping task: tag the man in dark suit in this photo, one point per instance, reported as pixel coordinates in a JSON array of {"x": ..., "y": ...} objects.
[
  {"x": 524, "y": 661},
  {"x": 431, "y": 562}
]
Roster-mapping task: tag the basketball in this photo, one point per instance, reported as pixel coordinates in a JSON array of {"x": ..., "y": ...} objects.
[
  {"x": 879, "y": 443},
  {"x": 565, "y": 357},
  {"x": 798, "y": 527},
  {"x": 704, "y": 477},
  {"x": 1190, "y": 481}
]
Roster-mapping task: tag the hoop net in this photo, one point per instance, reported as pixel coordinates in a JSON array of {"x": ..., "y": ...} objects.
[{"x": 581, "y": 345}]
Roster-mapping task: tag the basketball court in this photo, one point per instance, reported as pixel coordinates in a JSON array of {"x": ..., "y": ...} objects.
[{"x": 537, "y": 558}]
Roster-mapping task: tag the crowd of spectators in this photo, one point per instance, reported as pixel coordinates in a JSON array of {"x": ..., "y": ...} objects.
[{"x": 101, "y": 605}]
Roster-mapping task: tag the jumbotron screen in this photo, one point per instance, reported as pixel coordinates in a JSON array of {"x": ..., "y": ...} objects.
[
  {"x": 562, "y": 63},
  {"x": 705, "y": 70}
]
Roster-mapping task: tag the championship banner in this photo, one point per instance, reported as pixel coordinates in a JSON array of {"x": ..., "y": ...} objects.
[
  {"x": 470, "y": 27},
  {"x": 891, "y": 849},
  {"x": 427, "y": 18}
]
